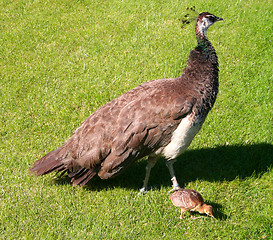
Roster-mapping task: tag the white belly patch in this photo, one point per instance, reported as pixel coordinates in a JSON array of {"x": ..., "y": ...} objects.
[{"x": 181, "y": 138}]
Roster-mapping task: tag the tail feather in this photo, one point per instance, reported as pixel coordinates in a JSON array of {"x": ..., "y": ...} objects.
[
  {"x": 77, "y": 173},
  {"x": 82, "y": 176},
  {"x": 56, "y": 161},
  {"x": 51, "y": 162}
]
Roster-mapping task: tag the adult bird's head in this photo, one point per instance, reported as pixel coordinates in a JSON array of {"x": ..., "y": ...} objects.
[{"x": 204, "y": 21}]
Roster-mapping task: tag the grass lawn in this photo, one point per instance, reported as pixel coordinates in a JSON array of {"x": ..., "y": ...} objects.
[{"x": 61, "y": 60}]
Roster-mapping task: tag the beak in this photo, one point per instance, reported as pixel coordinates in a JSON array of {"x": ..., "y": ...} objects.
[{"x": 219, "y": 19}]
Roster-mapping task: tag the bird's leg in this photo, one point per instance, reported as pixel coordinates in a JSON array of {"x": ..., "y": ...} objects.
[
  {"x": 193, "y": 217},
  {"x": 151, "y": 162},
  {"x": 181, "y": 215},
  {"x": 173, "y": 178}
]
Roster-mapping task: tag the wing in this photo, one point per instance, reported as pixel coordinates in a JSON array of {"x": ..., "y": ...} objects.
[
  {"x": 127, "y": 128},
  {"x": 145, "y": 125},
  {"x": 196, "y": 198}
]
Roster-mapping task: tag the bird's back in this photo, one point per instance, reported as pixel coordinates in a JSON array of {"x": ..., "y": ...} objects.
[
  {"x": 130, "y": 127},
  {"x": 186, "y": 198}
]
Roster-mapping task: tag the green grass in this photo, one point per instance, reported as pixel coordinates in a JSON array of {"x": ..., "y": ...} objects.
[{"x": 61, "y": 60}]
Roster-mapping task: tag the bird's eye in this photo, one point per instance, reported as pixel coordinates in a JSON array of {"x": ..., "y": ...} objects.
[{"x": 211, "y": 19}]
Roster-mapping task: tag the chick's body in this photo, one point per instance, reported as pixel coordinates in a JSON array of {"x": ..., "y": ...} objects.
[{"x": 190, "y": 200}]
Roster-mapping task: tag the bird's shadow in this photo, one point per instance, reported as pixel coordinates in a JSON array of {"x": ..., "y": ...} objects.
[{"x": 222, "y": 163}]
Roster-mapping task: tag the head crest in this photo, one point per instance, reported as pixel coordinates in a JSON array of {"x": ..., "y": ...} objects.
[{"x": 189, "y": 16}]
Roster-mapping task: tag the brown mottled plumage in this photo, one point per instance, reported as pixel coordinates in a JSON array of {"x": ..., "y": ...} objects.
[
  {"x": 190, "y": 200},
  {"x": 157, "y": 118}
]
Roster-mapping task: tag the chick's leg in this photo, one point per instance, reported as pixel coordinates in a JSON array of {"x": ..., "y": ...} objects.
[
  {"x": 182, "y": 211},
  {"x": 193, "y": 217}
]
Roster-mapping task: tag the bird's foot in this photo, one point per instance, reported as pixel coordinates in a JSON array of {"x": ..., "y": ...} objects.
[
  {"x": 175, "y": 188},
  {"x": 142, "y": 191}
]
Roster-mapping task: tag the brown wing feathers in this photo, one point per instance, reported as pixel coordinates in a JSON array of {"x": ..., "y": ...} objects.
[
  {"x": 117, "y": 134},
  {"x": 82, "y": 176}
]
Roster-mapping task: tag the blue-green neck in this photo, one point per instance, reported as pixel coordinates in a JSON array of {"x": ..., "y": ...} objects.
[{"x": 204, "y": 43}]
